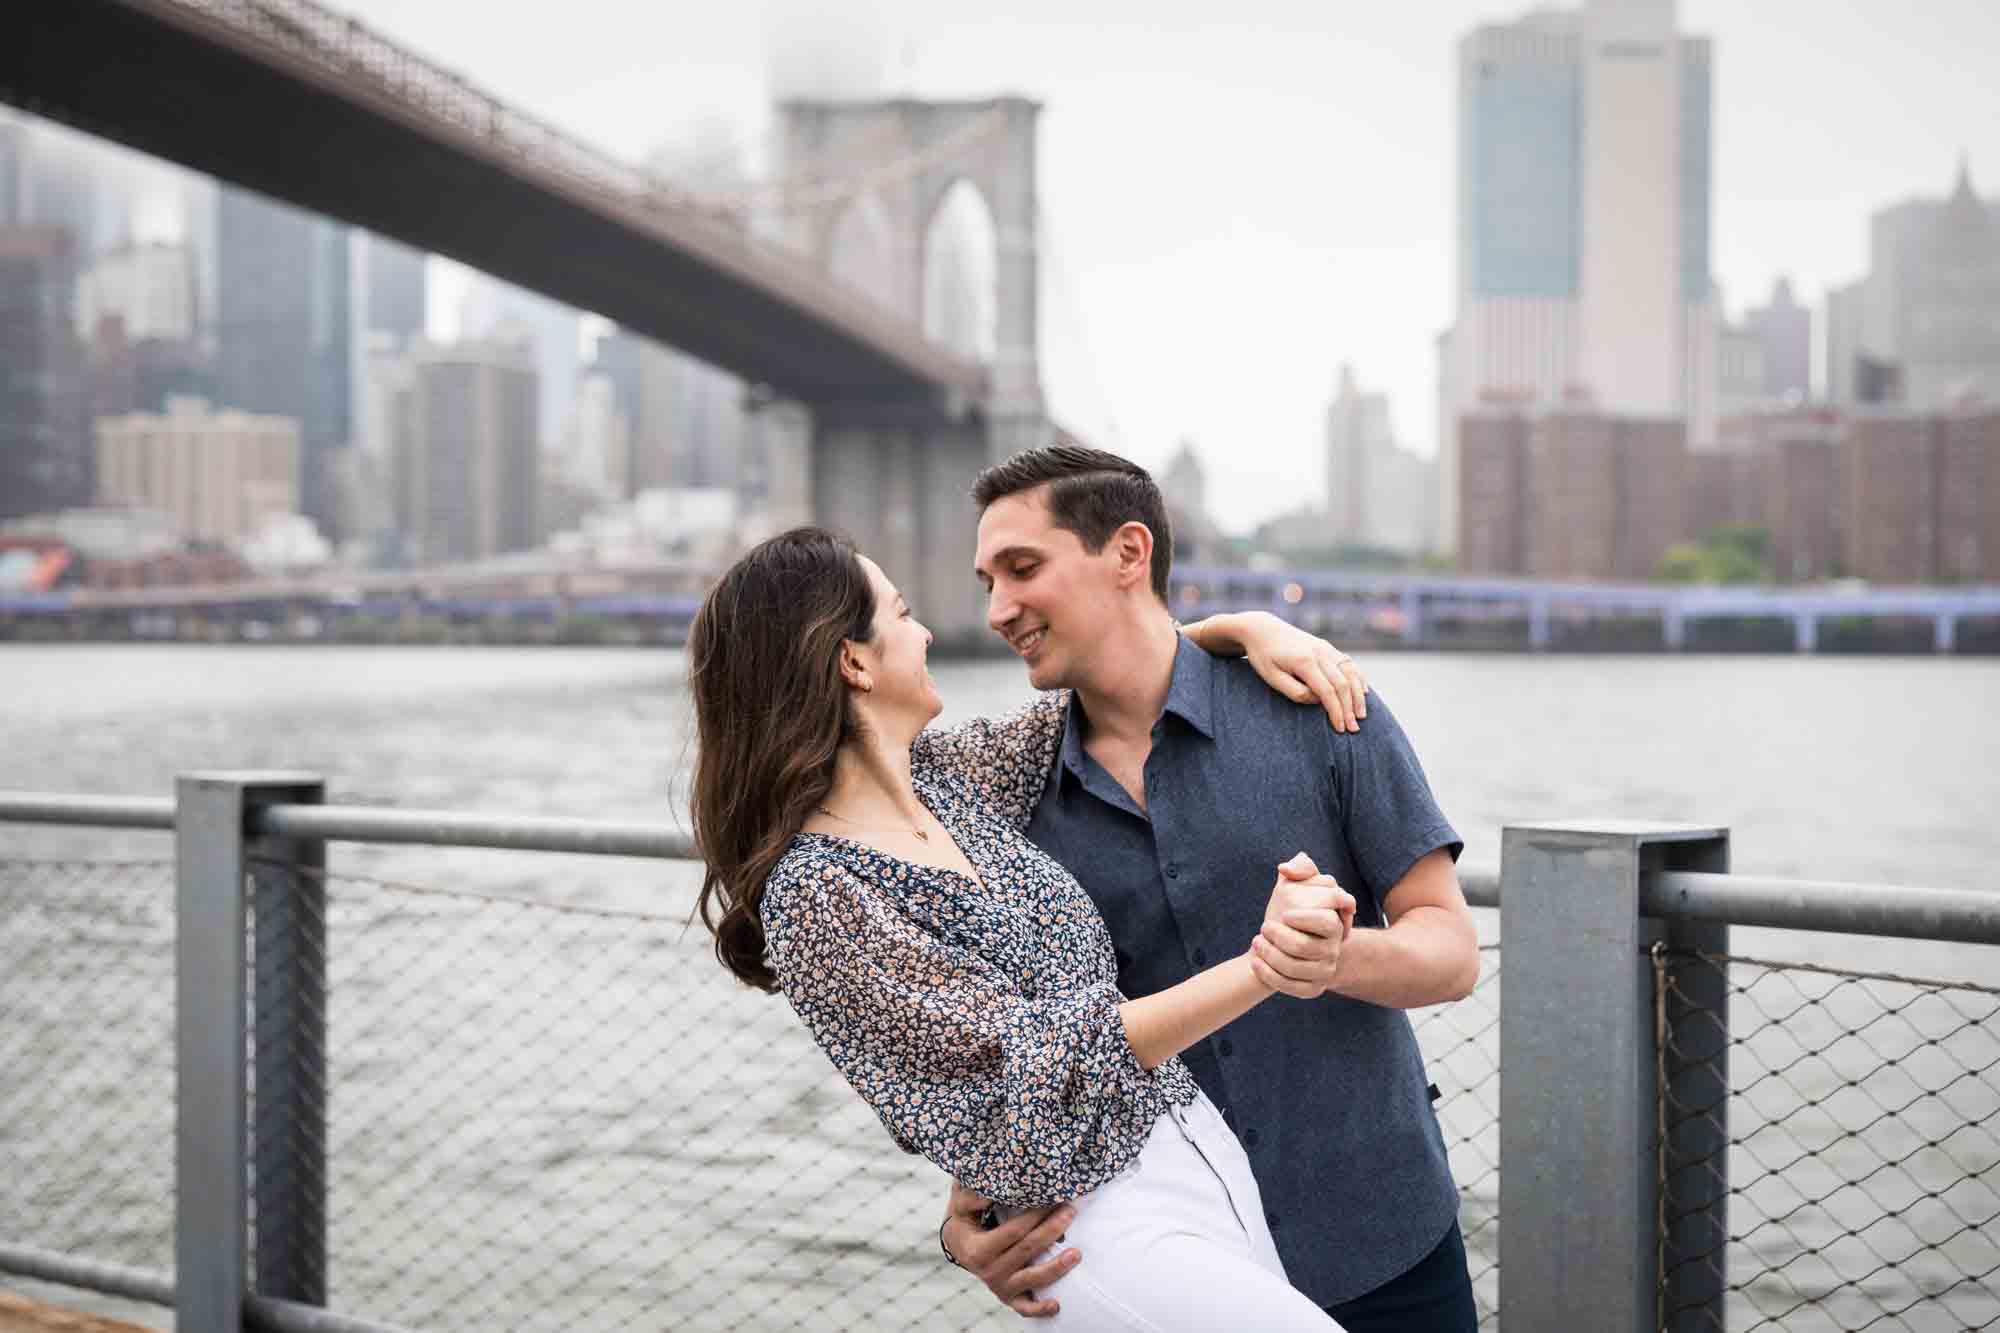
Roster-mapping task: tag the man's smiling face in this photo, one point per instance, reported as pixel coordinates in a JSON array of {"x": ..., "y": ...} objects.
[{"x": 1046, "y": 595}]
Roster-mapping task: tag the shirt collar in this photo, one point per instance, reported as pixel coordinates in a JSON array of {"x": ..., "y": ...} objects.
[
  {"x": 1192, "y": 691},
  {"x": 1190, "y": 697}
]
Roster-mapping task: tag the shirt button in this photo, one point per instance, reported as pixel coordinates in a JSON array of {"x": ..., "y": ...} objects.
[
  {"x": 1201, "y": 958},
  {"x": 1226, "y": 1046},
  {"x": 1173, "y": 870},
  {"x": 1273, "y": 1221},
  {"x": 1250, "y": 1141}
]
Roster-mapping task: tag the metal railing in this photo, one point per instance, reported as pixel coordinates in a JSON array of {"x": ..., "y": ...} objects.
[
  {"x": 1857, "y": 1137},
  {"x": 439, "y": 1105},
  {"x": 1656, "y": 1114}
]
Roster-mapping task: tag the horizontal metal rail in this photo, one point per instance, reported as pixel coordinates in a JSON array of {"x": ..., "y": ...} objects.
[
  {"x": 157, "y": 1288},
  {"x": 134, "y": 1284},
  {"x": 1901, "y": 911},
  {"x": 363, "y": 823},
  {"x": 29, "y": 807},
  {"x": 445, "y": 828},
  {"x": 1482, "y": 887},
  {"x": 267, "y": 1314}
]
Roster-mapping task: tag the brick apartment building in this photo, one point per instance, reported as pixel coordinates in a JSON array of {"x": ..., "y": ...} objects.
[{"x": 1884, "y": 495}]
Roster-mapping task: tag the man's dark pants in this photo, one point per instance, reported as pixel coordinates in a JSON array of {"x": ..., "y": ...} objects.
[{"x": 1433, "y": 1297}]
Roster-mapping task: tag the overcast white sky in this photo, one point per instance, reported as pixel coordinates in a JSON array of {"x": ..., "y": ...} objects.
[{"x": 1238, "y": 198}]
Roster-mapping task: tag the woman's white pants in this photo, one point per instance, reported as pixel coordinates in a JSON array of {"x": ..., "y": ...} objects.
[{"x": 1177, "y": 1241}]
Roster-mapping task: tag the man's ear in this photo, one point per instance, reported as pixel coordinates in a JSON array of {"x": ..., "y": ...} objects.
[{"x": 1132, "y": 545}]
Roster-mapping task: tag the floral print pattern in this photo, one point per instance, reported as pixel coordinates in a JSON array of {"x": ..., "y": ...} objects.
[{"x": 978, "y": 1018}]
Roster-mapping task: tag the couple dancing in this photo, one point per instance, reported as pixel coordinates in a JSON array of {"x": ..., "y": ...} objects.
[{"x": 960, "y": 914}]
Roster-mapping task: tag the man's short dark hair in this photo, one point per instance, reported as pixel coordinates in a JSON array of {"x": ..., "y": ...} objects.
[{"x": 1091, "y": 493}]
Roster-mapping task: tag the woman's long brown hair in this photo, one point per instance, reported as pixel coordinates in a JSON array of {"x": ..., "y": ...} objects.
[{"x": 770, "y": 713}]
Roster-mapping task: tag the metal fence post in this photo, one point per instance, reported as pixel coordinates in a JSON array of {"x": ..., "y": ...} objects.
[
  {"x": 1693, "y": 1146},
  {"x": 1579, "y": 1112},
  {"x": 212, "y": 1176},
  {"x": 288, "y": 1129}
]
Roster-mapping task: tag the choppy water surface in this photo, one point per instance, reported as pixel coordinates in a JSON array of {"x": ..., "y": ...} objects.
[{"x": 574, "y": 1121}]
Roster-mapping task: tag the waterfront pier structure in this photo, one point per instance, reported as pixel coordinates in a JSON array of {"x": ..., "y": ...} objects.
[{"x": 450, "y": 1107}]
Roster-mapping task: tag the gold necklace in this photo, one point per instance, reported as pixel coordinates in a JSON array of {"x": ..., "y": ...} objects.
[{"x": 868, "y": 828}]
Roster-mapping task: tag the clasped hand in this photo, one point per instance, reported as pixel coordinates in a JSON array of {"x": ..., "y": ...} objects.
[{"x": 1306, "y": 922}]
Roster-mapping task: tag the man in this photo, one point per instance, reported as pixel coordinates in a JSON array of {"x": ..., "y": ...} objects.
[{"x": 1179, "y": 784}]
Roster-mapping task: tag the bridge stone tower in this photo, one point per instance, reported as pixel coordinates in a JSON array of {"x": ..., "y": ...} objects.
[{"x": 929, "y": 209}]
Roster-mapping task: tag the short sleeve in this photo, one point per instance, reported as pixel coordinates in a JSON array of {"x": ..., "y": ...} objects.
[
  {"x": 1004, "y": 761},
  {"x": 1386, "y": 809},
  {"x": 1026, "y": 1100}
]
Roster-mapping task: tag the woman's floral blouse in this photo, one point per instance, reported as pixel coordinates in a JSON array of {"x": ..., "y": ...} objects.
[{"x": 981, "y": 1023}]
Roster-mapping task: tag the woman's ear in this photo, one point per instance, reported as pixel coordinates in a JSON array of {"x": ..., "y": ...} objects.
[{"x": 853, "y": 671}]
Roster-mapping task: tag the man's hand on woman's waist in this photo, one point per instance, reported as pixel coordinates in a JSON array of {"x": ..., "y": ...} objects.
[{"x": 1003, "y": 1257}]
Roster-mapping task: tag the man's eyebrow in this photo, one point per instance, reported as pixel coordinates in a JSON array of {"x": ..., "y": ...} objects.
[{"x": 1013, "y": 552}]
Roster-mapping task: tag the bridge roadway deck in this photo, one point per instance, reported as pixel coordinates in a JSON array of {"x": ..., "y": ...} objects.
[{"x": 302, "y": 104}]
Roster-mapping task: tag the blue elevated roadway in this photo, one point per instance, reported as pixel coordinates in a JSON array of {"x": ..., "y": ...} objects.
[{"x": 1406, "y": 607}]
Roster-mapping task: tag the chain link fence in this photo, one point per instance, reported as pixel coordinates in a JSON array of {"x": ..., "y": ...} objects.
[
  {"x": 538, "y": 1116},
  {"x": 87, "y": 1058},
  {"x": 1461, "y": 1045},
  {"x": 1861, "y": 1124},
  {"x": 548, "y": 1117}
]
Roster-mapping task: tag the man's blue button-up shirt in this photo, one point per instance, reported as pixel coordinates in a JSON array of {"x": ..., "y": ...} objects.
[{"x": 1329, "y": 1095}]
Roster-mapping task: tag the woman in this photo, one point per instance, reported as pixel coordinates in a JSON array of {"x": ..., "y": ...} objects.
[{"x": 875, "y": 872}]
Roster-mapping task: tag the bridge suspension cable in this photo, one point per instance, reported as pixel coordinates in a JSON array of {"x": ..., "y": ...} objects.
[
  {"x": 808, "y": 192},
  {"x": 349, "y": 48}
]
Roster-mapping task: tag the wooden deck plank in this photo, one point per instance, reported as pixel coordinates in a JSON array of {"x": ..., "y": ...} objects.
[{"x": 18, "y": 1314}]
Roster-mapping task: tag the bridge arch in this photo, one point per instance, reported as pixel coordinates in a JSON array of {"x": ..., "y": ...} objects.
[
  {"x": 956, "y": 183},
  {"x": 960, "y": 273}
]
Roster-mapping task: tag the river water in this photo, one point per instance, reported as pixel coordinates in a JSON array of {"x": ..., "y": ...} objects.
[{"x": 569, "y": 1120}]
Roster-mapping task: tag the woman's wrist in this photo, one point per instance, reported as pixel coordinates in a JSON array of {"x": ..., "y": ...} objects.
[
  {"x": 1218, "y": 635},
  {"x": 1248, "y": 959}
]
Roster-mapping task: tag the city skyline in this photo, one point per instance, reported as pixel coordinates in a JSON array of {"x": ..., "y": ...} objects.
[
  {"x": 1257, "y": 488},
  {"x": 1326, "y": 232}
]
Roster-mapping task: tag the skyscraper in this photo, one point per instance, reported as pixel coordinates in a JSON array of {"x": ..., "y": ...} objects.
[
  {"x": 150, "y": 288},
  {"x": 282, "y": 335},
  {"x": 1784, "y": 333},
  {"x": 1378, "y": 494},
  {"x": 396, "y": 294},
  {"x": 498, "y": 311},
  {"x": 1357, "y": 438},
  {"x": 1583, "y": 221},
  {"x": 1923, "y": 327},
  {"x": 58, "y": 179},
  {"x": 467, "y": 461},
  {"x": 44, "y": 445},
  {"x": 688, "y": 428}
]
